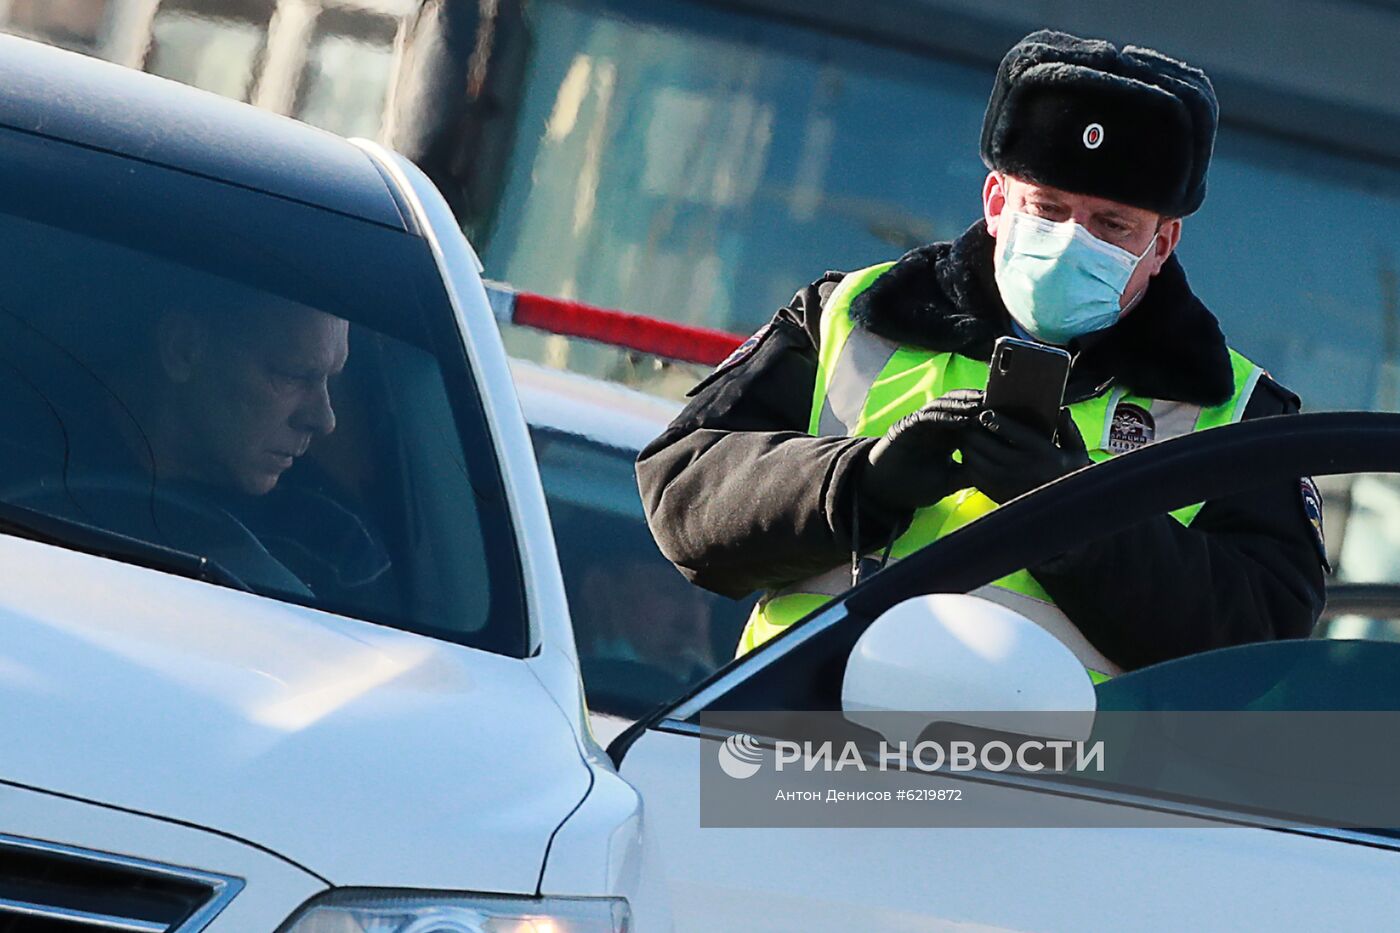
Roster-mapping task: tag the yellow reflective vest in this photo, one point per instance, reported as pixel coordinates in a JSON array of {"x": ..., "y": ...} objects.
[{"x": 866, "y": 383}]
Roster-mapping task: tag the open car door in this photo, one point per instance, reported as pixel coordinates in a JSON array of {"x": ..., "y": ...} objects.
[{"x": 1111, "y": 870}]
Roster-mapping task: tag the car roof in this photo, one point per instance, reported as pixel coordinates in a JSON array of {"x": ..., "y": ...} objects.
[
  {"x": 71, "y": 97},
  {"x": 600, "y": 411}
]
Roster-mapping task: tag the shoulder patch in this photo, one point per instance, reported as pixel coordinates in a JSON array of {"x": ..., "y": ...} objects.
[
  {"x": 745, "y": 349},
  {"x": 1312, "y": 511},
  {"x": 741, "y": 353}
]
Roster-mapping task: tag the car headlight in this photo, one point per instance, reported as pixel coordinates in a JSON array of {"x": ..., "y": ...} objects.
[{"x": 368, "y": 910}]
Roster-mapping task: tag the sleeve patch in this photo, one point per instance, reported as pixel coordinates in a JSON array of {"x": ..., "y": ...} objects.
[
  {"x": 1312, "y": 510},
  {"x": 745, "y": 349}
]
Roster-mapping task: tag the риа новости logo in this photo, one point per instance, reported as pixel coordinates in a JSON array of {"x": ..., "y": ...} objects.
[{"x": 740, "y": 755}]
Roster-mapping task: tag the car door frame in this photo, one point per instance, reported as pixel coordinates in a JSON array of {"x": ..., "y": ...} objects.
[
  {"x": 807, "y": 660},
  {"x": 778, "y": 865}
]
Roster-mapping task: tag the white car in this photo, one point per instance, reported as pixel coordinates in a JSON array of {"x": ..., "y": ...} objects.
[{"x": 287, "y": 644}]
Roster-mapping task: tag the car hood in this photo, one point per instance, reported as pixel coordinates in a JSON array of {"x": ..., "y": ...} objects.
[{"x": 367, "y": 755}]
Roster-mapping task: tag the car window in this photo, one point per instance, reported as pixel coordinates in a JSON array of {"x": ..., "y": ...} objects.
[
  {"x": 645, "y": 635},
  {"x": 1211, "y": 712},
  {"x": 277, "y": 389},
  {"x": 1282, "y": 676}
]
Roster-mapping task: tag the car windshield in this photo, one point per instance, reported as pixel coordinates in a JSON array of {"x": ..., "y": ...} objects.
[{"x": 201, "y": 377}]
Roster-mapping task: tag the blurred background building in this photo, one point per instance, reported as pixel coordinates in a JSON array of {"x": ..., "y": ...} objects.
[
  {"x": 699, "y": 160},
  {"x": 324, "y": 61}
]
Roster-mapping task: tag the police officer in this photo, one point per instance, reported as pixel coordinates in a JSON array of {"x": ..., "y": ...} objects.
[{"x": 832, "y": 430}]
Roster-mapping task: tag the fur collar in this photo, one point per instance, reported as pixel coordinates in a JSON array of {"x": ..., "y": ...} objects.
[{"x": 943, "y": 297}]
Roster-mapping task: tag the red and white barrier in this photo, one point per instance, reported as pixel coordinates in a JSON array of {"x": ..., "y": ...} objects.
[{"x": 631, "y": 331}]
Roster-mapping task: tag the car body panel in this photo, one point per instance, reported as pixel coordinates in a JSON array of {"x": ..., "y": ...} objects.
[
  {"x": 370, "y": 755},
  {"x": 612, "y": 814},
  {"x": 986, "y": 879}
]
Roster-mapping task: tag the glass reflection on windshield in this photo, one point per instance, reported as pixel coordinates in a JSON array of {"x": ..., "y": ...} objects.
[{"x": 310, "y": 455}]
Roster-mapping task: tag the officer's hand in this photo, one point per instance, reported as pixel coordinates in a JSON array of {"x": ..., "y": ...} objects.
[
  {"x": 912, "y": 465},
  {"x": 1003, "y": 457}
]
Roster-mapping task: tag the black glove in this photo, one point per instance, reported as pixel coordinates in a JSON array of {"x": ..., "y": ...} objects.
[
  {"x": 912, "y": 465},
  {"x": 1004, "y": 458}
]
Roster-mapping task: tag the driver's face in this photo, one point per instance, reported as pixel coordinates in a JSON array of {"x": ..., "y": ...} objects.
[{"x": 255, "y": 393}]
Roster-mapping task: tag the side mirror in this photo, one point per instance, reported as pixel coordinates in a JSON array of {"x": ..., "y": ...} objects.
[{"x": 968, "y": 661}]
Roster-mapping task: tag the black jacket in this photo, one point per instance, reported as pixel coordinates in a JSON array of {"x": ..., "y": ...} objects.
[{"x": 740, "y": 497}]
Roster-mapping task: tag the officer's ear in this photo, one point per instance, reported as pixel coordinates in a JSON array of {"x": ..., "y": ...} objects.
[
  {"x": 1165, "y": 243},
  {"x": 181, "y": 341},
  {"x": 993, "y": 201}
]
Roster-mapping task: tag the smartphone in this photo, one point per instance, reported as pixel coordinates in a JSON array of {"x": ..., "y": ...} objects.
[{"x": 1027, "y": 382}]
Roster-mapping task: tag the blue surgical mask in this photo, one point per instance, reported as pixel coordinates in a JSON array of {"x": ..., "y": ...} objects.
[{"x": 1058, "y": 280}]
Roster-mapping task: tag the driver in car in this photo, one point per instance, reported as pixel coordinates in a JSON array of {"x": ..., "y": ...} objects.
[
  {"x": 245, "y": 394},
  {"x": 235, "y": 399}
]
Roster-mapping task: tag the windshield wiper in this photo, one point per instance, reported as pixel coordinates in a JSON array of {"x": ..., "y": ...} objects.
[{"x": 21, "y": 522}]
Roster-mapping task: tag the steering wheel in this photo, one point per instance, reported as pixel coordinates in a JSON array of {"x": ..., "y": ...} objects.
[{"x": 164, "y": 515}]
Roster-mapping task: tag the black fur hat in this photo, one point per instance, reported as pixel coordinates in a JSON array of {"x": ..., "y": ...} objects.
[{"x": 1130, "y": 125}]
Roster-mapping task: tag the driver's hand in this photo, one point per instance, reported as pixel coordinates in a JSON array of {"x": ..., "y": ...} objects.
[{"x": 1004, "y": 458}]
